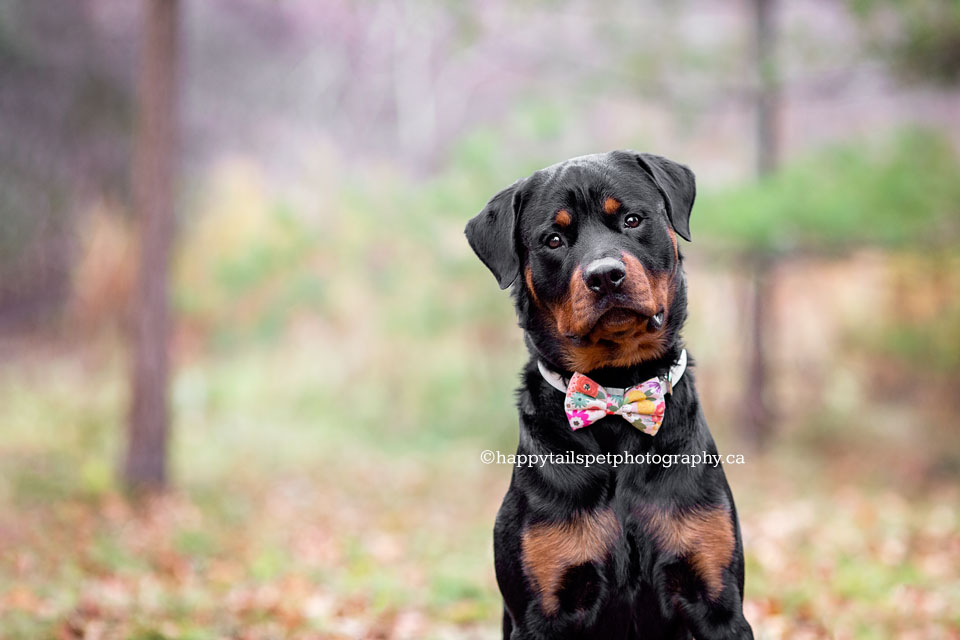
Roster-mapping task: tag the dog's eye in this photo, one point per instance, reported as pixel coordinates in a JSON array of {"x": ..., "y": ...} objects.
[
  {"x": 554, "y": 241},
  {"x": 632, "y": 221}
]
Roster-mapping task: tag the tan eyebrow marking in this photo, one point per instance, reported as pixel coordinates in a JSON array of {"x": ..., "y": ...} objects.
[
  {"x": 611, "y": 205},
  {"x": 563, "y": 218}
]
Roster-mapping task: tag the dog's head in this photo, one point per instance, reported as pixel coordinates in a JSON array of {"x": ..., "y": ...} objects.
[{"x": 590, "y": 246}]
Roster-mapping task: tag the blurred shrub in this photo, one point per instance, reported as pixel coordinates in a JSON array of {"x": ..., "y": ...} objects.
[
  {"x": 934, "y": 345},
  {"x": 376, "y": 286},
  {"x": 65, "y": 99},
  {"x": 900, "y": 195},
  {"x": 390, "y": 294},
  {"x": 241, "y": 268},
  {"x": 105, "y": 269},
  {"x": 922, "y": 330},
  {"x": 895, "y": 193},
  {"x": 920, "y": 38}
]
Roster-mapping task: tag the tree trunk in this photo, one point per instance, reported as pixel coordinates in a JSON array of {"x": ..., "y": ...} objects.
[
  {"x": 757, "y": 416},
  {"x": 768, "y": 92},
  {"x": 153, "y": 192}
]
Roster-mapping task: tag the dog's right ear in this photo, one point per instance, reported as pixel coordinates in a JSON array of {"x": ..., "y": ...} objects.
[
  {"x": 676, "y": 184},
  {"x": 492, "y": 234}
]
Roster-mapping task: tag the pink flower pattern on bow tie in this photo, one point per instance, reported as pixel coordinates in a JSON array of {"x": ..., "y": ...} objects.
[{"x": 642, "y": 405}]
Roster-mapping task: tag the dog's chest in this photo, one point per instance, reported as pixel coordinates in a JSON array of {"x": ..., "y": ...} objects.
[{"x": 625, "y": 550}]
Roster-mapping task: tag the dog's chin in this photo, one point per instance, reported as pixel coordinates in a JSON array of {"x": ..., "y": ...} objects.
[
  {"x": 619, "y": 338},
  {"x": 618, "y": 321}
]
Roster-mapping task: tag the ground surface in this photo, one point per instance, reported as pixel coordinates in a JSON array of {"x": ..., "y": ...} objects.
[{"x": 284, "y": 526}]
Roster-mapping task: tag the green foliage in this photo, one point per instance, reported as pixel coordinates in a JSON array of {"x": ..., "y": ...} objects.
[
  {"x": 385, "y": 293},
  {"x": 897, "y": 193},
  {"x": 925, "y": 45},
  {"x": 242, "y": 269},
  {"x": 935, "y": 345},
  {"x": 926, "y": 340}
]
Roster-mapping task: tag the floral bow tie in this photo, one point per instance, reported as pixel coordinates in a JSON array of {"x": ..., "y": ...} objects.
[{"x": 641, "y": 405}]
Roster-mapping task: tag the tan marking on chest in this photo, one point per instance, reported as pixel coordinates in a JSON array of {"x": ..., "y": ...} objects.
[
  {"x": 704, "y": 536},
  {"x": 550, "y": 549}
]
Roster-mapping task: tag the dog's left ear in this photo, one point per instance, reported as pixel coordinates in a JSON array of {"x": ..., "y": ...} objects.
[
  {"x": 676, "y": 184},
  {"x": 492, "y": 234}
]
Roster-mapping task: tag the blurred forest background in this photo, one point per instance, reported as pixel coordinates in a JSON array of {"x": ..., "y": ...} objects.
[{"x": 338, "y": 358}]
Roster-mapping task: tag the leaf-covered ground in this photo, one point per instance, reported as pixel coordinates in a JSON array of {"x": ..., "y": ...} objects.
[{"x": 285, "y": 528}]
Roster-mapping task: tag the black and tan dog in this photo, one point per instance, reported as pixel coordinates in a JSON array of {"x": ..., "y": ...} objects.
[{"x": 609, "y": 551}]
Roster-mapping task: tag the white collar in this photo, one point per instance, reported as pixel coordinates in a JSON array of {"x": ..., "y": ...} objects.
[{"x": 559, "y": 383}]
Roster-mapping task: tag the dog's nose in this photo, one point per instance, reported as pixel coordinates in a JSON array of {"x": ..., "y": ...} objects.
[{"x": 604, "y": 275}]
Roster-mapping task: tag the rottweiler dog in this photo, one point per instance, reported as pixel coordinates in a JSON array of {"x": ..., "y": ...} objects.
[{"x": 602, "y": 536}]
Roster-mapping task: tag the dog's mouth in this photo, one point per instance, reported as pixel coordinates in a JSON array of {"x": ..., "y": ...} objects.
[
  {"x": 621, "y": 322},
  {"x": 617, "y": 317}
]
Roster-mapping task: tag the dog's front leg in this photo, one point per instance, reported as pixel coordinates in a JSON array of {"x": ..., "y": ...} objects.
[
  {"x": 507, "y": 624},
  {"x": 721, "y": 620}
]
